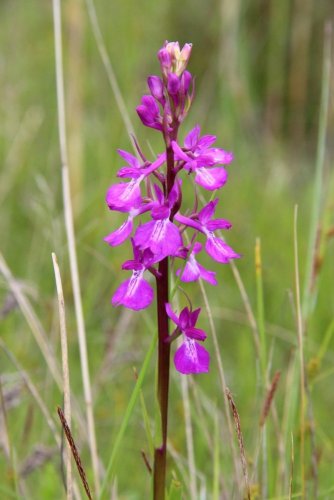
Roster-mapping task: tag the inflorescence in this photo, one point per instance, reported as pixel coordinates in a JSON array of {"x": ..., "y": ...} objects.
[{"x": 155, "y": 188}]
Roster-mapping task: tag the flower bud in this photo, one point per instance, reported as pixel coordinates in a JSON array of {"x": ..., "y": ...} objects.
[
  {"x": 173, "y": 84},
  {"x": 165, "y": 61},
  {"x": 148, "y": 112},
  {"x": 156, "y": 87},
  {"x": 186, "y": 79},
  {"x": 172, "y": 59}
]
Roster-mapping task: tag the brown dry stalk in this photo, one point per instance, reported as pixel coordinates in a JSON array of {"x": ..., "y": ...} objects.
[
  {"x": 269, "y": 397},
  {"x": 146, "y": 461},
  {"x": 237, "y": 424},
  {"x": 75, "y": 452}
]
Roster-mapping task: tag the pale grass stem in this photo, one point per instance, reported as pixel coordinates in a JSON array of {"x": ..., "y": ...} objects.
[
  {"x": 301, "y": 355},
  {"x": 65, "y": 367},
  {"x": 291, "y": 467},
  {"x": 110, "y": 71},
  {"x": 319, "y": 169},
  {"x": 68, "y": 213}
]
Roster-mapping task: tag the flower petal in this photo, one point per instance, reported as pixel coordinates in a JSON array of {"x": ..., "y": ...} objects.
[
  {"x": 179, "y": 154},
  {"x": 121, "y": 234},
  {"x": 191, "y": 357},
  {"x": 184, "y": 318},
  {"x": 215, "y": 224},
  {"x": 206, "y": 275},
  {"x": 134, "y": 293},
  {"x": 129, "y": 158},
  {"x": 207, "y": 212},
  {"x": 129, "y": 172},
  {"x": 190, "y": 272},
  {"x": 124, "y": 196},
  {"x": 195, "y": 333},
  {"x": 160, "y": 212},
  {"x": 162, "y": 237},
  {"x": 171, "y": 314},
  {"x": 191, "y": 139},
  {"x": 205, "y": 142},
  {"x": 194, "y": 316},
  {"x": 221, "y": 156},
  {"x": 211, "y": 178},
  {"x": 219, "y": 250}
]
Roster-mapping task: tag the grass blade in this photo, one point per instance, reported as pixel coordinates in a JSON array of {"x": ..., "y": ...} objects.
[{"x": 319, "y": 169}]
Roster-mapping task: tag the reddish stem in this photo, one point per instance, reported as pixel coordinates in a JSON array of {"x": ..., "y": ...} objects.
[{"x": 160, "y": 453}]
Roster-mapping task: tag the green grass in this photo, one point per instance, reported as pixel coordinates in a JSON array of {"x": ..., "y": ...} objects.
[{"x": 249, "y": 102}]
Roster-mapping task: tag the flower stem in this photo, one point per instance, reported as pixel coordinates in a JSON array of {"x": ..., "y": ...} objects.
[
  {"x": 159, "y": 475},
  {"x": 159, "y": 471}
]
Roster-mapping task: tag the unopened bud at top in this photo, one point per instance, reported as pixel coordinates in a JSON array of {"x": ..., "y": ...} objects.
[{"x": 172, "y": 59}]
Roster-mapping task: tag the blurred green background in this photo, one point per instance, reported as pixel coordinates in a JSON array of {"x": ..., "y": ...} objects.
[{"x": 258, "y": 67}]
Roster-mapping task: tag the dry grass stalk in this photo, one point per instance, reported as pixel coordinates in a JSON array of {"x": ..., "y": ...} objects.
[
  {"x": 146, "y": 461},
  {"x": 66, "y": 375},
  {"x": 240, "y": 440},
  {"x": 300, "y": 332},
  {"x": 75, "y": 452},
  {"x": 269, "y": 397},
  {"x": 68, "y": 213}
]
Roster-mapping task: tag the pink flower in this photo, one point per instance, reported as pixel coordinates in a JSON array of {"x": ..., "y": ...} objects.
[
  {"x": 135, "y": 293},
  {"x": 190, "y": 357},
  {"x": 200, "y": 158},
  {"x": 193, "y": 270},
  {"x": 160, "y": 235}
]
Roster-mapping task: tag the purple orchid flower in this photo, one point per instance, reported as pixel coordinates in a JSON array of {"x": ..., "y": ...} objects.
[
  {"x": 149, "y": 113},
  {"x": 135, "y": 293},
  {"x": 200, "y": 158},
  {"x": 160, "y": 235},
  {"x": 190, "y": 357},
  {"x": 215, "y": 247},
  {"x": 193, "y": 270},
  {"x": 126, "y": 196}
]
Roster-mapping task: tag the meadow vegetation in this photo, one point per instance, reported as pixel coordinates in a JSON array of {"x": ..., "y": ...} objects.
[{"x": 264, "y": 86}]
